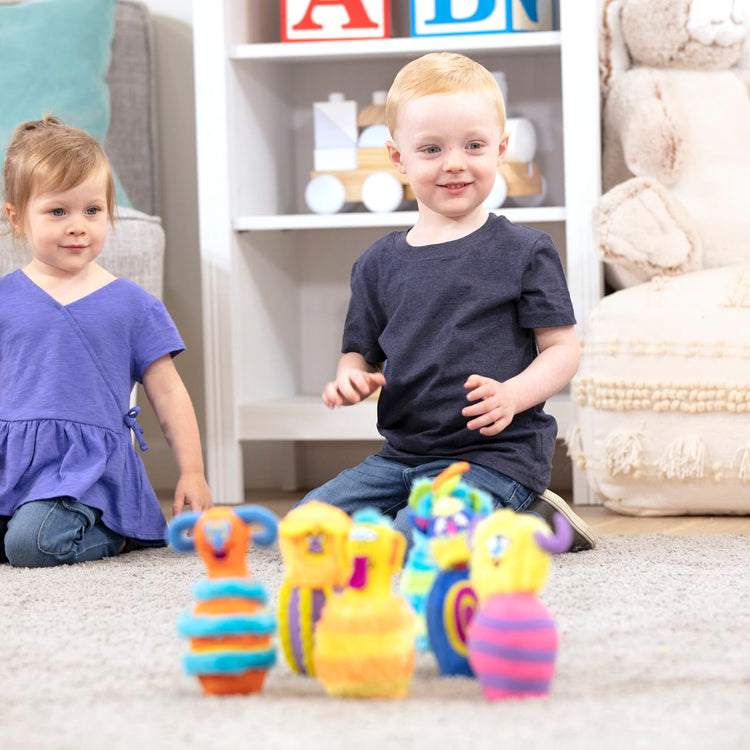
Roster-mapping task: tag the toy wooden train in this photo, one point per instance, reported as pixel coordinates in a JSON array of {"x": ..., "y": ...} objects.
[{"x": 352, "y": 164}]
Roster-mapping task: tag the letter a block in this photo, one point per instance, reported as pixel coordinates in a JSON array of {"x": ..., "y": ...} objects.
[
  {"x": 328, "y": 20},
  {"x": 433, "y": 17}
]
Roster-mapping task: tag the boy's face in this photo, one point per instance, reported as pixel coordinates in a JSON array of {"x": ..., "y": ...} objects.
[{"x": 449, "y": 146}]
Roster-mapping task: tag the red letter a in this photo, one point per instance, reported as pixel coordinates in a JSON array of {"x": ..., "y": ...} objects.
[{"x": 358, "y": 18}]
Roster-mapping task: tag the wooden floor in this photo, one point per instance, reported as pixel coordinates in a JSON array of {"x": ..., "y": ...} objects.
[{"x": 604, "y": 522}]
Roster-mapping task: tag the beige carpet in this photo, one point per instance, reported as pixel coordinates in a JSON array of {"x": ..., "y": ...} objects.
[{"x": 655, "y": 653}]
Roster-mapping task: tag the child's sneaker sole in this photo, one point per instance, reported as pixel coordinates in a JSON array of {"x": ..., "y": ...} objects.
[{"x": 548, "y": 503}]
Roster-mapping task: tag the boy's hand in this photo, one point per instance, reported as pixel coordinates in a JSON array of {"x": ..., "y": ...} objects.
[
  {"x": 351, "y": 387},
  {"x": 192, "y": 490},
  {"x": 494, "y": 405}
]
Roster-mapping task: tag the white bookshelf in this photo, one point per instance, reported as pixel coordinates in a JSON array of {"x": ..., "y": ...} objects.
[{"x": 275, "y": 277}]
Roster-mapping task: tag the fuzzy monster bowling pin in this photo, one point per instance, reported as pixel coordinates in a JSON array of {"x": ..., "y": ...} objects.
[
  {"x": 513, "y": 637},
  {"x": 312, "y": 539},
  {"x": 444, "y": 510},
  {"x": 230, "y": 628},
  {"x": 364, "y": 641}
]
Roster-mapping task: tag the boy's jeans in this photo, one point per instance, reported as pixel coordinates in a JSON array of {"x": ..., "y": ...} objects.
[
  {"x": 44, "y": 533},
  {"x": 385, "y": 484}
]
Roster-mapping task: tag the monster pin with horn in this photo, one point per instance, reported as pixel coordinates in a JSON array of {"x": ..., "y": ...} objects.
[{"x": 513, "y": 637}]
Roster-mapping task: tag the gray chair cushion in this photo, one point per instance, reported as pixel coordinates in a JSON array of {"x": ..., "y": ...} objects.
[{"x": 131, "y": 140}]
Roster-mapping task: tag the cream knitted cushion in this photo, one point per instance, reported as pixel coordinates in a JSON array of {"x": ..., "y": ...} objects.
[{"x": 663, "y": 396}]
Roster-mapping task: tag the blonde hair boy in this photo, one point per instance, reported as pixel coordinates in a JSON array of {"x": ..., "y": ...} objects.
[{"x": 441, "y": 73}]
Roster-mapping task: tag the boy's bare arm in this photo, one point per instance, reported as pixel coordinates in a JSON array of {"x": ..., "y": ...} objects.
[
  {"x": 494, "y": 404},
  {"x": 355, "y": 380}
]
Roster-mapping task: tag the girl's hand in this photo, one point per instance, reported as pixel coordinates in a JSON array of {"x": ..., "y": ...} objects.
[
  {"x": 351, "y": 387},
  {"x": 494, "y": 405},
  {"x": 192, "y": 490}
]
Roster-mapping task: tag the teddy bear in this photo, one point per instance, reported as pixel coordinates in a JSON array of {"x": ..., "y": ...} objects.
[
  {"x": 675, "y": 137},
  {"x": 662, "y": 394}
]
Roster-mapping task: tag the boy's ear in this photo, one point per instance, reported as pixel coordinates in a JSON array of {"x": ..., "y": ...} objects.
[
  {"x": 503, "y": 147},
  {"x": 394, "y": 154}
]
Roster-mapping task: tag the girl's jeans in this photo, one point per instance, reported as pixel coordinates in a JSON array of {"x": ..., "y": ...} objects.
[
  {"x": 44, "y": 533},
  {"x": 384, "y": 484}
]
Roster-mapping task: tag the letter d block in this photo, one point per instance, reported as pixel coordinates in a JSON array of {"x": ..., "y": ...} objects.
[{"x": 328, "y": 20}]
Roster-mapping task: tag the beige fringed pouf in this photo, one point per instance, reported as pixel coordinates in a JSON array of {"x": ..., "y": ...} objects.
[{"x": 663, "y": 396}]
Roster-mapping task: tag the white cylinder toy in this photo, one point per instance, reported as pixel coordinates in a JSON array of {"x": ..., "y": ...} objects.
[
  {"x": 522, "y": 141},
  {"x": 497, "y": 195},
  {"x": 325, "y": 194},
  {"x": 382, "y": 193}
]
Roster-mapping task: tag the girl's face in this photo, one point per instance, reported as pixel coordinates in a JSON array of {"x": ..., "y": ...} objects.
[
  {"x": 450, "y": 147},
  {"x": 66, "y": 229}
]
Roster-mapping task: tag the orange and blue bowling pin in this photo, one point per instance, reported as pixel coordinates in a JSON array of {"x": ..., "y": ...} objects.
[{"x": 230, "y": 628}]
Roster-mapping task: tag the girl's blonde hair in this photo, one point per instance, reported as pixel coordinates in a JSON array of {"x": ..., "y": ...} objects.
[
  {"x": 47, "y": 155},
  {"x": 441, "y": 73}
]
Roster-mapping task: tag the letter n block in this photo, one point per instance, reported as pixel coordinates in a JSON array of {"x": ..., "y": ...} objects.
[{"x": 328, "y": 20}]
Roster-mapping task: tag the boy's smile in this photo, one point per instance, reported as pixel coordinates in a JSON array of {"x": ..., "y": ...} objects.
[{"x": 449, "y": 146}]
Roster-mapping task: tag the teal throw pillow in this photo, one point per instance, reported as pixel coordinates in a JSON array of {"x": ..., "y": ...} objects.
[{"x": 54, "y": 57}]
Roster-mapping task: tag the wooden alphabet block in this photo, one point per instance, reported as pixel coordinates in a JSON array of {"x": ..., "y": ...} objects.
[
  {"x": 435, "y": 17},
  {"x": 328, "y": 20}
]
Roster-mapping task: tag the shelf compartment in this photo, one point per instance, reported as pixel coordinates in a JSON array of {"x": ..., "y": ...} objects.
[{"x": 306, "y": 418}]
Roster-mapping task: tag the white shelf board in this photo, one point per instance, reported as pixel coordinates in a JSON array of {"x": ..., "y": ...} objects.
[
  {"x": 536, "y": 41},
  {"x": 306, "y": 418},
  {"x": 363, "y": 219}
]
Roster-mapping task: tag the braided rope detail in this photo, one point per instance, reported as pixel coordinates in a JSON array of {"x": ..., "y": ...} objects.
[{"x": 689, "y": 398}]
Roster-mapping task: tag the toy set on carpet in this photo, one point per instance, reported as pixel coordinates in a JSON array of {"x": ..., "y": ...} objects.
[{"x": 340, "y": 619}]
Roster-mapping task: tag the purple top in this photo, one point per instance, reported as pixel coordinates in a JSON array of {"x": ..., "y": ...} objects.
[{"x": 66, "y": 373}]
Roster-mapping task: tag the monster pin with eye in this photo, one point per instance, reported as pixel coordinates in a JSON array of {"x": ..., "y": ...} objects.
[
  {"x": 312, "y": 539},
  {"x": 513, "y": 637},
  {"x": 447, "y": 507}
]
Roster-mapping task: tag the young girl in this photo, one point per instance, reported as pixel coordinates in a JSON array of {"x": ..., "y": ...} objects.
[{"x": 73, "y": 341}]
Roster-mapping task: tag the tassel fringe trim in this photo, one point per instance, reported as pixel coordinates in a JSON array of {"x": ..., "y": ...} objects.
[
  {"x": 685, "y": 459},
  {"x": 623, "y": 453}
]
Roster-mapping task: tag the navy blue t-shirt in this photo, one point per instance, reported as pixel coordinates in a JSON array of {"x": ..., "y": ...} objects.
[{"x": 437, "y": 314}]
